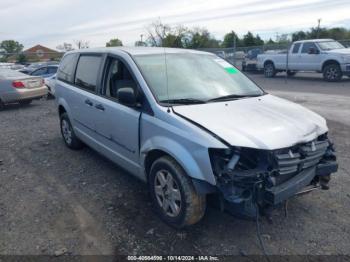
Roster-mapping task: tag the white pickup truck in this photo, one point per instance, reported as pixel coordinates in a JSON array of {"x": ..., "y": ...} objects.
[{"x": 325, "y": 56}]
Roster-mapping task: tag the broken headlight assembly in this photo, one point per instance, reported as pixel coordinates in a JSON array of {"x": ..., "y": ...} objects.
[{"x": 241, "y": 174}]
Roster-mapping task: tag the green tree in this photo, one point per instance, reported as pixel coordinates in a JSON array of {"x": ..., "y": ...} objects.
[
  {"x": 160, "y": 34},
  {"x": 114, "y": 42},
  {"x": 21, "y": 58},
  {"x": 270, "y": 42},
  {"x": 250, "y": 40},
  {"x": 201, "y": 38},
  {"x": 229, "y": 40},
  {"x": 336, "y": 33},
  {"x": 299, "y": 35},
  {"x": 10, "y": 47}
]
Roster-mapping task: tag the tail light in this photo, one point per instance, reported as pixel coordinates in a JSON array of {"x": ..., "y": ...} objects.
[{"x": 18, "y": 84}]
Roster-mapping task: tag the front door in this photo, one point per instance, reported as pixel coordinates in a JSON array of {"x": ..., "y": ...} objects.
[
  {"x": 117, "y": 125},
  {"x": 307, "y": 61}
]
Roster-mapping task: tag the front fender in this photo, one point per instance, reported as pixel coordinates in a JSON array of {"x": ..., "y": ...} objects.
[{"x": 195, "y": 163}]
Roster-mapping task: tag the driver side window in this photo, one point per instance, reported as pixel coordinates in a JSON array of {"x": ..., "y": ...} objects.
[{"x": 118, "y": 76}]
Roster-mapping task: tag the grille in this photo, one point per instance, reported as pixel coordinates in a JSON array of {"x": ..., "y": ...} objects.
[{"x": 293, "y": 160}]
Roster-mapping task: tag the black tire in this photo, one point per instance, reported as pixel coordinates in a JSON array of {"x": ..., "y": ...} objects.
[
  {"x": 2, "y": 105},
  {"x": 25, "y": 102},
  {"x": 73, "y": 141},
  {"x": 332, "y": 73},
  {"x": 291, "y": 73},
  {"x": 191, "y": 206},
  {"x": 269, "y": 70}
]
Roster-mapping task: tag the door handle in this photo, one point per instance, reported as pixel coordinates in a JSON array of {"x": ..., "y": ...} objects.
[
  {"x": 100, "y": 107},
  {"x": 88, "y": 102}
]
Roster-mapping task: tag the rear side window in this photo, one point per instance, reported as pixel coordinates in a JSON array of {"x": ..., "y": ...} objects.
[
  {"x": 66, "y": 69},
  {"x": 296, "y": 48},
  {"x": 87, "y": 72}
]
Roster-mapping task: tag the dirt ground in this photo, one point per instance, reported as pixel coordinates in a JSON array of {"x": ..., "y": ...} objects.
[{"x": 55, "y": 200}]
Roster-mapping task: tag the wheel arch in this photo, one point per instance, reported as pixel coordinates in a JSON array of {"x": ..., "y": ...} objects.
[
  {"x": 329, "y": 62},
  {"x": 269, "y": 61},
  {"x": 160, "y": 146},
  {"x": 63, "y": 107}
]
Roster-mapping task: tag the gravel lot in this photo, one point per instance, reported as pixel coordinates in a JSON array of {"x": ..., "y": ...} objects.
[{"x": 54, "y": 200}]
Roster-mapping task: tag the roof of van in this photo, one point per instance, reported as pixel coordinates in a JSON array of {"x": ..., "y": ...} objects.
[{"x": 139, "y": 50}]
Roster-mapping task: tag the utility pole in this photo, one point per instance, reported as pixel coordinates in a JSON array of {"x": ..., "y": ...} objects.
[
  {"x": 318, "y": 27},
  {"x": 234, "y": 48}
]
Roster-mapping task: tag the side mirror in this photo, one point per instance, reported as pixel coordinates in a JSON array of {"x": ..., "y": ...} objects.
[{"x": 126, "y": 96}]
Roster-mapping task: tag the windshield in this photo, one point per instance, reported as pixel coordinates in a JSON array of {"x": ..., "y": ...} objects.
[
  {"x": 193, "y": 77},
  {"x": 330, "y": 45}
]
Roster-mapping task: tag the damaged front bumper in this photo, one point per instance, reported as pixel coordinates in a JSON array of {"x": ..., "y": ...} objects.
[
  {"x": 250, "y": 180},
  {"x": 277, "y": 194}
]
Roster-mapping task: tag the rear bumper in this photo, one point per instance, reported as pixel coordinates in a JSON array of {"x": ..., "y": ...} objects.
[
  {"x": 24, "y": 94},
  {"x": 282, "y": 192}
]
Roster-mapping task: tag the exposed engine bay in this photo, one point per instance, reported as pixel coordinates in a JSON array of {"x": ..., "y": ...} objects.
[{"x": 251, "y": 180}]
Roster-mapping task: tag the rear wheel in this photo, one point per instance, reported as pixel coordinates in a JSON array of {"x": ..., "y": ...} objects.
[
  {"x": 69, "y": 137},
  {"x": 173, "y": 195},
  {"x": 25, "y": 102},
  {"x": 332, "y": 73},
  {"x": 269, "y": 70}
]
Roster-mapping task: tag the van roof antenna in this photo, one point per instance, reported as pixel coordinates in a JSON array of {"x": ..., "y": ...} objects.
[{"x": 167, "y": 82}]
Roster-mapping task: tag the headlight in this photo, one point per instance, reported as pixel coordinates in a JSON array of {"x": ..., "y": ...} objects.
[
  {"x": 346, "y": 58},
  {"x": 236, "y": 158}
]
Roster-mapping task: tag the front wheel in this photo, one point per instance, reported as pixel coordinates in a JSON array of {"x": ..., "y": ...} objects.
[
  {"x": 173, "y": 195},
  {"x": 69, "y": 137},
  {"x": 269, "y": 70},
  {"x": 332, "y": 73}
]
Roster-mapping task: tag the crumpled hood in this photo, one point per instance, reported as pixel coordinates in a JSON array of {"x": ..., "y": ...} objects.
[
  {"x": 265, "y": 122},
  {"x": 343, "y": 51}
]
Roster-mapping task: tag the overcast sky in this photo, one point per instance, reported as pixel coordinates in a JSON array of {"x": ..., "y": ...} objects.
[{"x": 53, "y": 22}]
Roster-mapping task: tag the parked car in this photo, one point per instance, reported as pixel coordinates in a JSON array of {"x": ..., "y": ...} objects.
[
  {"x": 50, "y": 83},
  {"x": 30, "y": 68},
  {"x": 18, "y": 87},
  {"x": 325, "y": 56},
  {"x": 34, "y": 66},
  {"x": 45, "y": 71},
  {"x": 191, "y": 125},
  {"x": 250, "y": 60}
]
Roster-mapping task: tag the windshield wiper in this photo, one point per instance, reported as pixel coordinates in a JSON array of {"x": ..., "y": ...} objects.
[
  {"x": 230, "y": 97},
  {"x": 184, "y": 101}
]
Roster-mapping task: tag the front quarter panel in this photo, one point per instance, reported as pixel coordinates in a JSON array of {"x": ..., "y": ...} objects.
[{"x": 185, "y": 142}]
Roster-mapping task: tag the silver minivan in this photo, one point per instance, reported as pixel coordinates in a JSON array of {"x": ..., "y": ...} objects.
[{"x": 193, "y": 127}]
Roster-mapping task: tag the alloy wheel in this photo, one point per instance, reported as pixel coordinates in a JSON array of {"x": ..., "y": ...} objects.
[
  {"x": 332, "y": 73},
  {"x": 66, "y": 131},
  {"x": 167, "y": 193}
]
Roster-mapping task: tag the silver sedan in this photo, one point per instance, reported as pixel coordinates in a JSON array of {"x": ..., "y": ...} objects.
[{"x": 18, "y": 87}]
